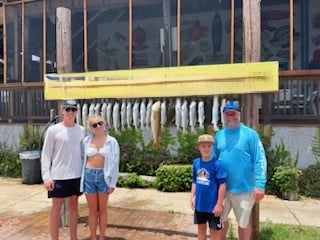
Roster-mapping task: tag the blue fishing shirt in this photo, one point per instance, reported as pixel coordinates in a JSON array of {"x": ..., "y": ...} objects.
[{"x": 242, "y": 155}]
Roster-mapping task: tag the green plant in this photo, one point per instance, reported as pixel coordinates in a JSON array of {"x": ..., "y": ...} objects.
[
  {"x": 133, "y": 181},
  {"x": 309, "y": 182},
  {"x": 174, "y": 178},
  {"x": 9, "y": 162},
  {"x": 30, "y": 139},
  {"x": 187, "y": 148},
  {"x": 130, "y": 142},
  {"x": 316, "y": 144},
  {"x": 278, "y": 157},
  {"x": 286, "y": 179},
  {"x": 269, "y": 231}
]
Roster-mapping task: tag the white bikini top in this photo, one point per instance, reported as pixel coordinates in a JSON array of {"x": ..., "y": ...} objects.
[{"x": 93, "y": 151}]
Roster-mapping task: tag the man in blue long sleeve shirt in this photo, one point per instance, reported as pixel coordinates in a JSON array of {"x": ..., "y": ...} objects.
[{"x": 241, "y": 153}]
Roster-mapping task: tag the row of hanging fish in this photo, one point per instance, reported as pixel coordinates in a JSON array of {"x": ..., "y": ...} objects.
[{"x": 155, "y": 114}]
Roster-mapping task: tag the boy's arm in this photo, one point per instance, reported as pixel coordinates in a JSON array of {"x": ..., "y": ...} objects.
[
  {"x": 192, "y": 196},
  {"x": 221, "y": 194}
]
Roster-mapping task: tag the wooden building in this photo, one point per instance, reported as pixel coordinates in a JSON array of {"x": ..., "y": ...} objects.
[{"x": 131, "y": 34}]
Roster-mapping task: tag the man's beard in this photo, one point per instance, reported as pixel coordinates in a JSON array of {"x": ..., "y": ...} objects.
[{"x": 231, "y": 124}]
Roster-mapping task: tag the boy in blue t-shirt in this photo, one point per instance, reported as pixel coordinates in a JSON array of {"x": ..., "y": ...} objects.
[{"x": 208, "y": 190}]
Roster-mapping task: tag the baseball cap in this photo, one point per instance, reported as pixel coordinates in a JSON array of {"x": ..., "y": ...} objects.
[
  {"x": 70, "y": 104},
  {"x": 205, "y": 138},
  {"x": 232, "y": 105}
]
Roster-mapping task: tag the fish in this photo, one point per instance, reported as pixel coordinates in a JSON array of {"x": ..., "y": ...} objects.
[
  {"x": 109, "y": 112},
  {"x": 84, "y": 114},
  {"x": 215, "y": 113},
  {"x": 91, "y": 109},
  {"x": 201, "y": 115},
  {"x": 129, "y": 114},
  {"x": 143, "y": 110},
  {"x": 135, "y": 114},
  {"x": 223, "y": 103},
  {"x": 155, "y": 124},
  {"x": 97, "y": 109},
  {"x": 148, "y": 114},
  {"x": 115, "y": 117},
  {"x": 184, "y": 116},
  {"x": 104, "y": 110},
  {"x": 163, "y": 117},
  {"x": 178, "y": 113},
  {"x": 78, "y": 118},
  {"x": 123, "y": 114},
  {"x": 193, "y": 116}
]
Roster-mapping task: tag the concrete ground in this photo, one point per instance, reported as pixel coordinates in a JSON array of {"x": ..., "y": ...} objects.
[{"x": 133, "y": 213}]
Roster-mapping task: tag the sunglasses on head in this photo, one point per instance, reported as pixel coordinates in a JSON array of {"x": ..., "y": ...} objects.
[
  {"x": 94, "y": 125},
  {"x": 70, "y": 109}
]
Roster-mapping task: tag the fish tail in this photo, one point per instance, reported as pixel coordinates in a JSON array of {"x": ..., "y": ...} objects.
[{"x": 156, "y": 145}]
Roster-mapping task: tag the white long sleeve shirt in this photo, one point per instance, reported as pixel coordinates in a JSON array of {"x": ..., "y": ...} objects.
[{"x": 61, "y": 154}]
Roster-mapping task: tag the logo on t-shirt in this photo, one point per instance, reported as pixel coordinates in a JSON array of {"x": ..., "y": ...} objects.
[{"x": 203, "y": 177}]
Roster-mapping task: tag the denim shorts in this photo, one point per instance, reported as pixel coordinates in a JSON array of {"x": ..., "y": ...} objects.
[{"x": 94, "y": 181}]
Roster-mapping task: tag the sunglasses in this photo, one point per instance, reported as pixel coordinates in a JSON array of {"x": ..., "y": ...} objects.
[
  {"x": 94, "y": 125},
  {"x": 70, "y": 109}
]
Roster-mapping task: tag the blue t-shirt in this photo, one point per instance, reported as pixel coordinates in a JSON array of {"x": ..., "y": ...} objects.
[
  {"x": 207, "y": 175},
  {"x": 242, "y": 155}
]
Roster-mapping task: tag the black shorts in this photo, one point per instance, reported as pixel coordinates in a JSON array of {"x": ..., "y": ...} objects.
[
  {"x": 215, "y": 223},
  {"x": 65, "y": 188}
]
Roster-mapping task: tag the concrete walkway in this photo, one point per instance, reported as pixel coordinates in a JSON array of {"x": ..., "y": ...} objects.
[{"x": 133, "y": 213}]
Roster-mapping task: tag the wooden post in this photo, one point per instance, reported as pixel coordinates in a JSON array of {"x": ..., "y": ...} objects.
[
  {"x": 252, "y": 43},
  {"x": 64, "y": 65}
]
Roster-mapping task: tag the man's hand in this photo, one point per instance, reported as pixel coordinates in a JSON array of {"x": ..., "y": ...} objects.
[
  {"x": 49, "y": 185},
  {"x": 258, "y": 194}
]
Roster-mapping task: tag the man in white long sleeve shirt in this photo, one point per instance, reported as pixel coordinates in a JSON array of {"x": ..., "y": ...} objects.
[{"x": 61, "y": 168}]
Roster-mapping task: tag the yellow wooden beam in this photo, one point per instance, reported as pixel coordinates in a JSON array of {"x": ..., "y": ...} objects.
[{"x": 203, "y": 80}]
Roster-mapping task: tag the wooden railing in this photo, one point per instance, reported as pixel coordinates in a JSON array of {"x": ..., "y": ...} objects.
[{"x": 297, "y": 102}]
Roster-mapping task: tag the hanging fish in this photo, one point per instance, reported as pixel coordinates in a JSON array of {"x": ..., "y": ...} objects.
[
  {"x": 223, "y": 103},
  {"x": 155, "y": 124},
  {"x": 91, "y": 109},
  {"x": 215, "y": 113},
  {"x": 115, "y": 117},
  {"x": 148, "y": 114},
  {"x": 84, "y": 114},
  {"x": 201, "y": 115},
  {"x": 123, "y": 114},
  {"x": 143, "y": 111},
  {"x": 78, "y": 114},
  {"x": 178, "y": 113},
  {"x": 104, "y": 110},
  {"x": 97, "y": 109},
  {"x": 163, "y": 117},
  {"x": 135, "y": 114},
  {"x": 129, "y": 114},
  {"x": 193, "y": 116},
  {"x": 184, "y": 116},
  {"x": 109, "y": 112}
]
